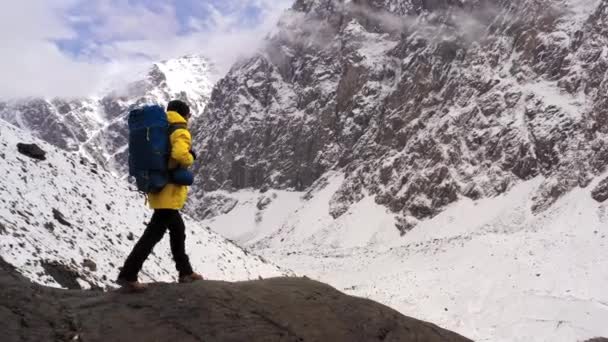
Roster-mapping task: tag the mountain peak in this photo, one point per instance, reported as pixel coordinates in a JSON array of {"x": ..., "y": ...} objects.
[
  {"x": 95, "y": 125},
  {"x": 191, "y": 76}
]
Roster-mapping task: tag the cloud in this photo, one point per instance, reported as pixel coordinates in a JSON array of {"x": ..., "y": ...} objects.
[
  {"x": 224, "y": 35},
  {"x": 67, "y": 48},
  {"x": 122, "y": 20},
  {"x": 471, "y": 23},
  {"x": 31, "y": 63}
]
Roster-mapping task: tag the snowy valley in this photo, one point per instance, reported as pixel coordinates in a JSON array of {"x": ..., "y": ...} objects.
[{"x": 489, "y": 269}]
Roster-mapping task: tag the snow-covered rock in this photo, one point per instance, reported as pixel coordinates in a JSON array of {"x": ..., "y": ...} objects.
[
  {"x": 64, "y": 221},
  {"x": 96, "y": 126},
  {"x": 600, "y": 193},
  {"x": 419, "y": 103}
]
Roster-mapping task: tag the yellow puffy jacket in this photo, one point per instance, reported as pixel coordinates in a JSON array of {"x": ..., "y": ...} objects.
[{"x": 174, "y": 196}]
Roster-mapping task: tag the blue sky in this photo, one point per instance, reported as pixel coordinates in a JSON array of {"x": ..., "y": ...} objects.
[
  {"x": 189, "y": 16},
  {"x": 65, "y": 46}
]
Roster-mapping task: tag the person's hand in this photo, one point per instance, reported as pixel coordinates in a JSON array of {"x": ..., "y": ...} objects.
[{"x": 193, "y": 154}]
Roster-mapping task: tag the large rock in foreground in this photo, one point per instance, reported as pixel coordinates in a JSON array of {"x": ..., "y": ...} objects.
[{"x": 281, "y": 309}]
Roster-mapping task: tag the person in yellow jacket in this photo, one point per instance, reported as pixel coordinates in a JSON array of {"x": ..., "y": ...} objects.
[{"x": 166, "y": 205}]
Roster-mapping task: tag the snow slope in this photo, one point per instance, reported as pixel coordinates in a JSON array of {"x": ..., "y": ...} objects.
[
  {"x": 99, "y": 213},
  {"x": 490, "y": 269}
]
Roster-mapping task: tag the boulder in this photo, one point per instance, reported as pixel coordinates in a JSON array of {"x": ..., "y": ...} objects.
[
  {"x": 32, "y": 151},
  {"x": 600, "y": 192}
]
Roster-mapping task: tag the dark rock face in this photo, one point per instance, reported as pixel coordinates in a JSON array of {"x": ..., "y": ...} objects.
[
  {"x": 281, "y": 309},
  {"x": 60, "y": 218},
  {"x": 511, "y": 90},
  {"x": 215, "y": 205},
  {"x": 63, "y": 275},
  {"x": 600, "y": 193},
  {"x": 58, "y": 122},
  {"x": 90, "y": 264},
  {"x": 32, "y": 151}
]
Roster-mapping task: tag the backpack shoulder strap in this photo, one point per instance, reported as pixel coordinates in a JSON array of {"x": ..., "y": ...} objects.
[{"x": 175, "y": 127}]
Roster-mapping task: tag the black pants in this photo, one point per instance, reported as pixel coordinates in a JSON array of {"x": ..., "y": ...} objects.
[{"x": 162, "y": 220}]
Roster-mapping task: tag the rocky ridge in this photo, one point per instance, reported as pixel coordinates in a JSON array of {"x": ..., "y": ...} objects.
[
  {"x": 280, "y": 309},
  {"x": 419, "y": 103},
  {"x": 96, "y": 126}
]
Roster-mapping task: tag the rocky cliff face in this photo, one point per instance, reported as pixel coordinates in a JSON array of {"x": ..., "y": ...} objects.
[
  {"x": 97, "y": 125},
  {"x": 418, "y": 102}
]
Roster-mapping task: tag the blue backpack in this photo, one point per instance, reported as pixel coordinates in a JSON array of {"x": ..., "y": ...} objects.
[{"x": 150, "y": 148}]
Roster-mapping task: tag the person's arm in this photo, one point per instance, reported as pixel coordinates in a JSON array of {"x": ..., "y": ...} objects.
[{"x": 181, "y": 143}]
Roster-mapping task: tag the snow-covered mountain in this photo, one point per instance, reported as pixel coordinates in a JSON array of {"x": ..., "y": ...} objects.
[
  {"x": 419, "y": 103},
  {"x": 96, "y": 126},
  {"x": 490, "y": 269},
  {"x": 447, "y": 158},
  {"x": 66, "y": 222}
]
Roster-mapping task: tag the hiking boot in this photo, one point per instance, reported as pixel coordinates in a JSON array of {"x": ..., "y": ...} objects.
[
  {"x": 131, "y": 286},
  {"x": 190, "y": 278}
]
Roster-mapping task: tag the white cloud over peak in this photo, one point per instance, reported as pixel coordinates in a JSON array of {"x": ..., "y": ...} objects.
[
  {"x": 30, "y": 62},
  {"x": 113, "y": 34}
]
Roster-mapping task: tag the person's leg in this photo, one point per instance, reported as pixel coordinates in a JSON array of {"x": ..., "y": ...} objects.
[
  {"x": 177, "y": 232},
  {"x": 152, "y": 235}
]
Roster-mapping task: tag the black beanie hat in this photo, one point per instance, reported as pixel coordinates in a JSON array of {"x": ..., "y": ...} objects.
[{"x": 180, "y": 107}]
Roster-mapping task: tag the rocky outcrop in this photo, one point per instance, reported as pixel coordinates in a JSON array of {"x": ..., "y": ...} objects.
[
  {"x": 419, "y": 103},
  {"x": 600, "y": 192},
  {"x": 281, "y": 309},
  {"x": 62, "y": 274}
]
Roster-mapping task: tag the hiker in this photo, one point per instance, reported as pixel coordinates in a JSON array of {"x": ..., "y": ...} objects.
[{"x": 166, "y": 205}]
